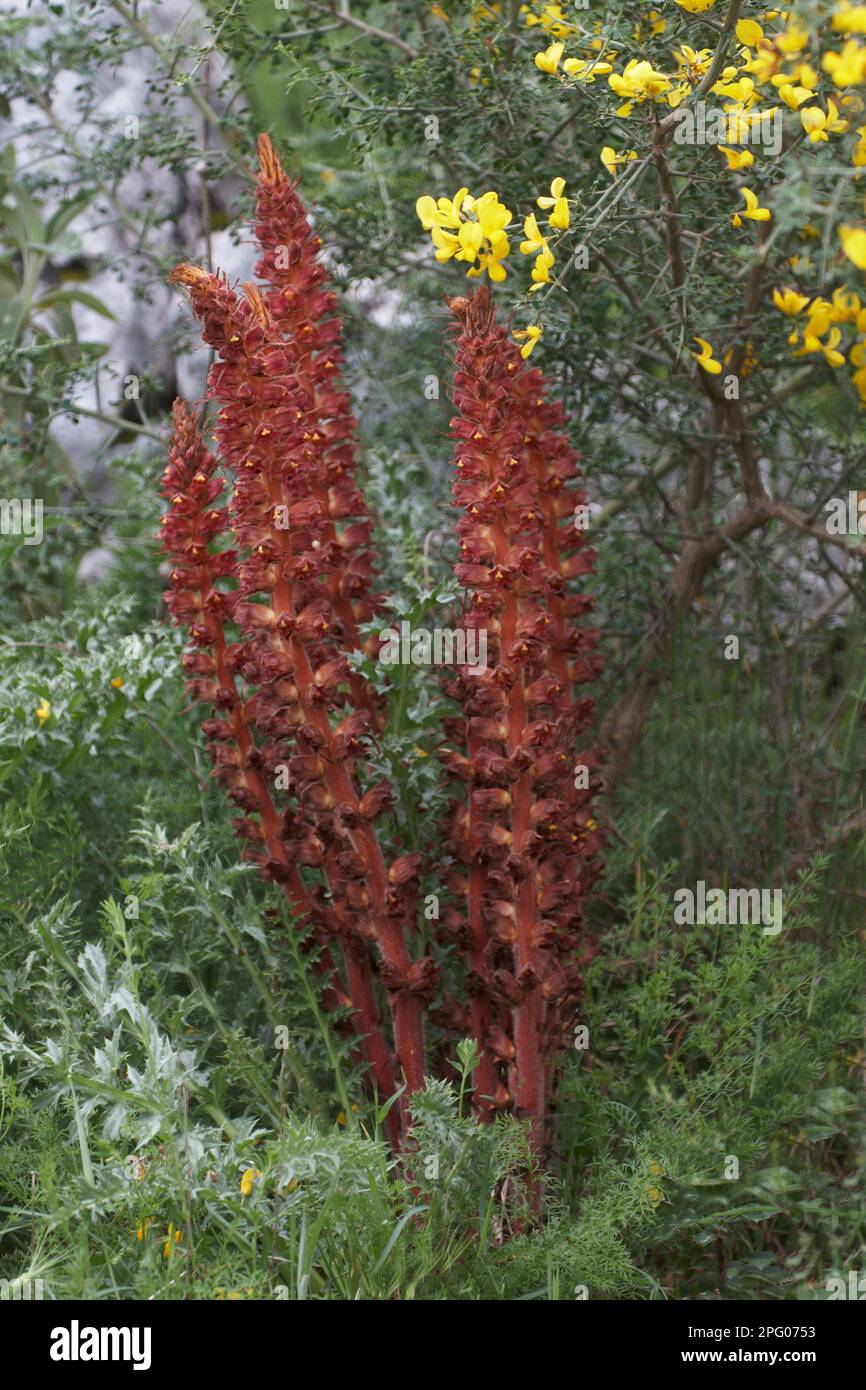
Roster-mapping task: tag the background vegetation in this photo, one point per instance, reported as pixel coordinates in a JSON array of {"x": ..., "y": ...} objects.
[{"x": 155, "y": 1141}]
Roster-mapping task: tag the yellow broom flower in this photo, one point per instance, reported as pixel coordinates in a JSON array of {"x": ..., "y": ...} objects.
[{"x": 705, "y": 357}]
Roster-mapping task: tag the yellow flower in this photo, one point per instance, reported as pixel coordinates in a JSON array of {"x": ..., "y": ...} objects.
[
  {"x": 656, "y": 1169},
  {"x": 677, "y": 95},
  {"x": 248, "y": 1179},
  {"x": 749, "y": 33},
  {"x": 638, "y": 81},
  {"x": 805, "y": 74},
  {"x": 171, "y": 1235},
  {"x": 559, "y": 217},
  {"x": 792, "y": 96},
  {"x": 853, "y": 241},
  {"x": 550, "y": 18},
  {"x": 846, "y": 306},
  {"x": 705, "y": 357},
  {"x": 535, "y": 241},
  {"x": 848, "y": 68},
  {"x": 583, "y": 71},
  {"x": 43, "y": 711},
  {"x": 694, "y": 62},
  {"x": 541, "y": 269},
  {"x": 737, "y": 159},
  {"x": 531, "y": 336},
  {"x": 444, "y": 212},
  {"x": 548, "y": 61},
  {"x": 742, "y": 91},
  {"x": 653, "y": 1193},
  {"x": 819, "y": 125},
  {"x": 696, "y": 6},
  {"x": 468, "y": 229},
  {"x": 831, "y": 356},
  {"x": 849, "y": 19},
  {"x": 819, "y": 319},
  {"x": 613, "y": 161},
  {"x": 117, "y": 682},
  {"x": 752, "y": 211},
  {"x": 792, "y": 40},
  {"x": 789, "y": 302},
  {"x": 792, "y": 85}
]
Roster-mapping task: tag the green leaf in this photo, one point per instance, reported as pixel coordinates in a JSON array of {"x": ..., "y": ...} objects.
[
  {"x": 76, "y": 296},
  {"x": 66, "y": 213}
]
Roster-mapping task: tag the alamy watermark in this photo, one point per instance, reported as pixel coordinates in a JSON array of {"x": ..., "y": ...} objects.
[
  {"x": 22, "y": 1290},
  {"x": 718, "y": 907},
  {"x": 22, "y": 516},
  {"x": 701, "y": 124},
  {"x": 77, "y": 1343},
  {"x": 847, "y": 515},
  {"x": 440, "y": 646},
  {"x": 854, "y": 1288}
]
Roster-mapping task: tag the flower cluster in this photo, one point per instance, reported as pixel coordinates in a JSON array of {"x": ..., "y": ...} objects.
[
  {"x": 475, "y": 230},
  {"x": 777, "y": 66},
  {"x": 545, "y": 14},
  {"x": 538, "y": 245},
  {"x": 817, "y": 328},
  {"x": 468, "y": 229},
  {"x": 272, "y": 577},
  {"x": 522, "y": 828}
]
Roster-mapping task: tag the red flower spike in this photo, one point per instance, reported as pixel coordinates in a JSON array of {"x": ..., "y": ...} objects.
[
  {"x": 303, "y": 306},
  {"x": 528, "y": 839},
  {"x": 292, "y": 560}
]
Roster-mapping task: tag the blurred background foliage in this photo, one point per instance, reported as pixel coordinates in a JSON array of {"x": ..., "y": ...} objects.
[{"x": 155, "y": 1140}]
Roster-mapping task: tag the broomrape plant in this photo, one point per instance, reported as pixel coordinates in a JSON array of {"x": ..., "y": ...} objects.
[{"x": 273, "y": 579}]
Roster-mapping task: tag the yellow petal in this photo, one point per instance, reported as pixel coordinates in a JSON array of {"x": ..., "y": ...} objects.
[
  {"x": 853, "y": 241},
  {"x": 426, "y": 209},
  {"x": 548, "y": 61},
  {"x": 749, "y": 33}
]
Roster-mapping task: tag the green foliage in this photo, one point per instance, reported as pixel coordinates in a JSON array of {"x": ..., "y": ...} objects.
[{"x": 178, "y": 1117}]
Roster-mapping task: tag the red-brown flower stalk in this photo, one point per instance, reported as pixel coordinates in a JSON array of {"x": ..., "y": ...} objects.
[
  {"x": 303, "y": 589},
  {"x": 524, "y": 831}
]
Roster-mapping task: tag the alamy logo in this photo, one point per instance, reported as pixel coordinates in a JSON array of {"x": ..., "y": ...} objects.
[
  {"x": 854, "y": 1289},
  {"x": 736, "y": 907},
  {"x": 847, "y": 515},
  {"x": 21, "y": 1290},
  {"x": 22, "y": 516},
  {"x": 700, "y": 124},
  {"x": 441, "y": 647},
  {"x": 76, "y": 1343}
]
